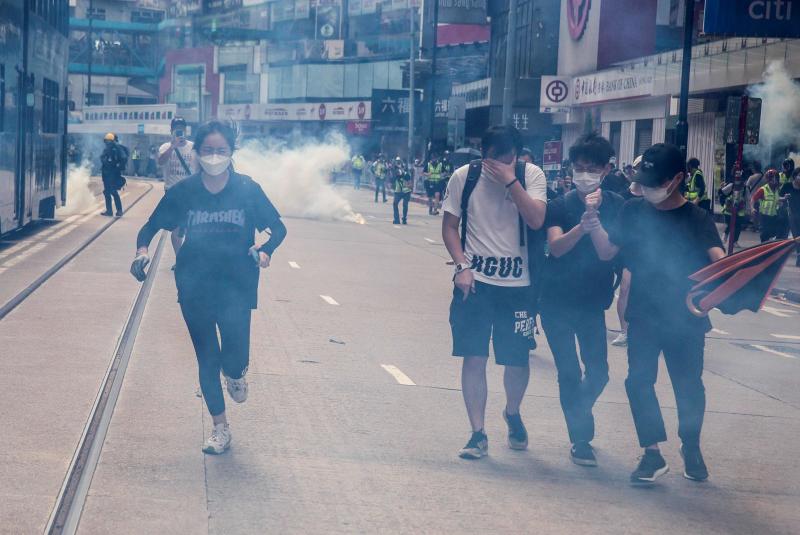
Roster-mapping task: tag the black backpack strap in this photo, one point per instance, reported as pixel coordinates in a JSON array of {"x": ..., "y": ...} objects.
[
  {"x": 474, "y": 173},
  {"x": 519, "y": 171},
  {"x": 183, "y": 162}
]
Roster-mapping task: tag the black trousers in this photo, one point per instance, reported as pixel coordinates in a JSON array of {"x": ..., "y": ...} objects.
[
  {"x": 741, "y": 221},
  {"x": 776, "y": 226},
  {"x": 230, "y": 353},
  {"x": 356, "y": 178},
  {"x": 398, "y": 197},
  {"x": 578, "y": 390},
  {"x": 110, "y": 193},
  {"x": 380, "y": 186},
  {"x": 683, "y": 352}
]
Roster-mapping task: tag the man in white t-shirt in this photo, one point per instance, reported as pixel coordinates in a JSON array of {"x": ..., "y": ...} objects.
[
  {"x": 177, "y": 161},
  {"x": 492, "y": 276}
]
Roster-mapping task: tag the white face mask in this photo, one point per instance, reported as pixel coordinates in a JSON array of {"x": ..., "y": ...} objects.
[
  {"x": 587, "y": 182},
  {"x": 657, "y": 195},
  {"x": 215, "y": 164}
]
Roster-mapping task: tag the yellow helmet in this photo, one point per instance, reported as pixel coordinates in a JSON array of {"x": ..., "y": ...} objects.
[{"x": 109, "y": 137}]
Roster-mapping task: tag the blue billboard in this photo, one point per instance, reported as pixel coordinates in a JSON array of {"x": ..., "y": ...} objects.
[{"x": 752, "y": 18}]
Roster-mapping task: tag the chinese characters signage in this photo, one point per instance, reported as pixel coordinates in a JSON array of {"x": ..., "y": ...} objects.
[{"x": 390, "y": 109}]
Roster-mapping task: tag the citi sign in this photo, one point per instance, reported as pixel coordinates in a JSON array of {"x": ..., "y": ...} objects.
[
  {"x": 770, "y": 9},
  {"x": 752, "y": 18}
]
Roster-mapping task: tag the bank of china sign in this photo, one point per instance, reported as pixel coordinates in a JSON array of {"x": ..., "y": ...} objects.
[
  {"x": 559, "y": 93},
  {"x": 752, "y": 18}
]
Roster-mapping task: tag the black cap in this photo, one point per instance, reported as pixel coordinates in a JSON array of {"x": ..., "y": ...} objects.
[{"x": 660, "y": 163}]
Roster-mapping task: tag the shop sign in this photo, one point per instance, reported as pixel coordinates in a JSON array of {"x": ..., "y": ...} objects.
[
  {"x": 359, "y": 128},
  {"x": 552, "y": 157},
  {"x": 462, "y": 11},
  {"x": 554, "y": 96},
  {"x": 391, "y": 108},
  {"x": 752, "y": 18},
  {"x": 324, "y": 111},
  {"x": 476, "y": 94},
  {"x": 605, "y": 86}
]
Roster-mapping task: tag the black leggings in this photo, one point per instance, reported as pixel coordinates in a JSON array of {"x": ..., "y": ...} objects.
[{"x": 230, "y": 352}]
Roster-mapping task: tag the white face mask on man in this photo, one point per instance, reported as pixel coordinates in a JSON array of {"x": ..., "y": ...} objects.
[
  {"x": 587, "y": 182},
  {"x": 215, "y": 164},
  {"x": 658, "y": 195}
]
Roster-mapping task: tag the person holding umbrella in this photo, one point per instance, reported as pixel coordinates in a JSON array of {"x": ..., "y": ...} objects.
[{"x": 663, "y": 239}]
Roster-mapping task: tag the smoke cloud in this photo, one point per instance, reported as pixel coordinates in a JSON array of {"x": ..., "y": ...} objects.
[
  {"x": 297, "y": 178},
  {"x": 80, "y": 197},
  {"x": 780, "y": 114}
]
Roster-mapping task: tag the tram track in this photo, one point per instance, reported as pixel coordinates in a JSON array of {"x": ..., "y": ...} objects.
[
  {"x": 65, "y": 515},
  {"x": 26, "y": 292}
]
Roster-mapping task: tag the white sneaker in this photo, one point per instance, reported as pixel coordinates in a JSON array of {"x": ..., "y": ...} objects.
[
  {"x": 219, "y": 441},
  {"x": 621, "y": 340},
  {"x": 237, "y": 388}
]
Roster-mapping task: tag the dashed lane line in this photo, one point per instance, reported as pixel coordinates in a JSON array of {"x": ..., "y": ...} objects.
[
  {"x": 294, "y": 265},
  {"x": 330, "y": 300},
  {"x": 430, "y": 240},
  {"x": 778, "y": 312},
  {"x": 22, "y": 256},
  {"x": 772, "y": 351},
  {"x": 399, "y": 376},
  {"x": 719, "y": 331},
  {"x": 786, "y": 336},
  {"x": 784, "y": 303}
]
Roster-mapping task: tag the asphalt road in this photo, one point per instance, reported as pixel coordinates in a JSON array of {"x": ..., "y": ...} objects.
[{"x": 355, "y": 414}]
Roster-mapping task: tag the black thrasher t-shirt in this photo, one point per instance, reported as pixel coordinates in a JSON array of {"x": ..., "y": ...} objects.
[
  {"x": 579, "y": 277},
  {"x": 214, "y": 266},
  {"x": 661, "y": 248}
]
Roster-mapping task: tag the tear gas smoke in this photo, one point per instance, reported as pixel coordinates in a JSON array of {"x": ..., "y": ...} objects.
[
  {"x": 80, "y": 197},
  {"x": 297, "y": 178},
  {"x": 780, "y": 114}
]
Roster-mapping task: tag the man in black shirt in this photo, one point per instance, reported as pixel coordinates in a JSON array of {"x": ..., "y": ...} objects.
[
  {"x": 578, "y": 287},
  {"x": 662, "y": 239}
]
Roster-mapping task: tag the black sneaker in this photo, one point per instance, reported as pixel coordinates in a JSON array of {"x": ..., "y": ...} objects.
[
  {"x": 694, "y": 465},
  {"x": 395, "y": 222},
  {"x": 476, "y": 448},
  {"x": 517, "y": 434},
  {"x": 582, "y": 453},
  {"x": 119, "y": 213},
  {"x": 107, "y": 213},
  {"x": 651, "y": 466}
]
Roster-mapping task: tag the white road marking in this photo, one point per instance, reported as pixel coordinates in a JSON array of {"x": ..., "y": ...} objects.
[
  {"x": 719, "y": 331},
  {"x": 778, "y": 312},
  {"x": 768, "y": 350},
  {"x": 429, "y": 240},
  {"x": 294, "y": 265},
  {"x": 399, "y": 376},
  {"x": 787, "y": 336},
  {"x": 330, "y": 300},
  {"x": 22, "y": 256},
  {"x": 784, "y": 303}
]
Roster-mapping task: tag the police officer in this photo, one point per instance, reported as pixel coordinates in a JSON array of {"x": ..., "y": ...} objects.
[
  {"x": 112, "y": 164},
  {"x": 767, "y": 204},
  {"x": 433, "y": 178},
  {"x": 357, "y": 165},
  {"x": 696, "y": 190},
  {"x": 380, "y": 170},
  {"x": 402, "y": 184}
]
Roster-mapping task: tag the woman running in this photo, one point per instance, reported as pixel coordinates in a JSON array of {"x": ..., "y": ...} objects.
[{"x": 217, "y": 267}]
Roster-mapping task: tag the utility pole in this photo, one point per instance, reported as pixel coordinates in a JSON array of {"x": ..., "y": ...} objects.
[
  {"x": 682, "y": 128},
  {"x": 434, "y": 46},
  {"x": 511, "y": 41},
  {"x": 90, "y": 40},
  {"x": 411, "y": 82},
  {"x": 200, "y": 95}
]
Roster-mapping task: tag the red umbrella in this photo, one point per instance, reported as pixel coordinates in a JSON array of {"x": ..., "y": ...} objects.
[{"x": 741, "y": 281}]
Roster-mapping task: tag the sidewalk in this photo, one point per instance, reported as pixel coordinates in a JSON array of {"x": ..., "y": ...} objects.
[{"x": 788, "y": 285}]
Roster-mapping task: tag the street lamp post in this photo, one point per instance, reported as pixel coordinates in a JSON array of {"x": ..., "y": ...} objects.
[
  {"x": 682, "y": 127},
  {"x": 411, "y": 83},
  {"x": 511, "y": 40}
]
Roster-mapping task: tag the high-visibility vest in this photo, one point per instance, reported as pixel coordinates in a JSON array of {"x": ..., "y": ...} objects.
[
  {"x": 691, "y": 190},
  {"x": 380, "y": 170},
  {"x": 769, "y": 204},
  {"x": 785, "y": 178},
  {"x": 401, "y": 183},
  {"x": 434, "y": 171},
  {"x": 358, "y": 162}
]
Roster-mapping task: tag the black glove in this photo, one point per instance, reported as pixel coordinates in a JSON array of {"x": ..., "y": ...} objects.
[{"x": 138, "y": 265}]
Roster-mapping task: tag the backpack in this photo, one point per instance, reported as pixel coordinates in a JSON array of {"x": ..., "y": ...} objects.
[{"x": 535, "y": 239}]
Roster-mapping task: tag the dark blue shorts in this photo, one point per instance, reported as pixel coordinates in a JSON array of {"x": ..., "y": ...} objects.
[{"x": 497, "y": 313}]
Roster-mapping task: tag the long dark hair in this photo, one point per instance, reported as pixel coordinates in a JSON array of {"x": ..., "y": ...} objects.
[{"x": 227, "y": 130}]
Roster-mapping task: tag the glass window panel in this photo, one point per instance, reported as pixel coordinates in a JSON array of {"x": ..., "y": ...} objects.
[
  {"x": 395, "y": 75},
  {"x": 381, "y": 75},
  {"x": 328, "y": 81},
  {"x": 351, "y": 80}
]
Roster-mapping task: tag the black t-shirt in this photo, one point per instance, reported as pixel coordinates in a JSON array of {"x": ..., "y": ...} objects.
[
  {"x": 794, "y": 198},
  {"x": 661, "y": 248},
  {"x": 214, "y": 267},
  {"x": 579, "y": 277}
]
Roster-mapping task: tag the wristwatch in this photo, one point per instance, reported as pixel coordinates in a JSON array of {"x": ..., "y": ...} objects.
[{"x": 461, "y": 267}]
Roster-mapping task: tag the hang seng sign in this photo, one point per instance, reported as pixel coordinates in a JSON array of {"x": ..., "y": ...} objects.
[{"x": 752, "y": 18}]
